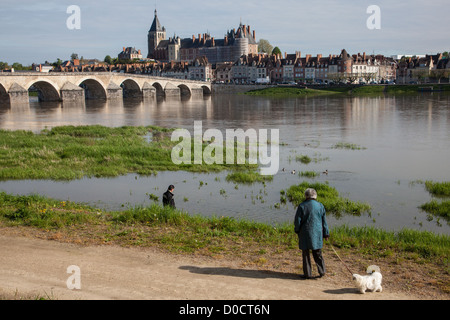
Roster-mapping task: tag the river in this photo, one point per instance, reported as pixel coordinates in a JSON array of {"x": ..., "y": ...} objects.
[{"x": 404, "y": 140}]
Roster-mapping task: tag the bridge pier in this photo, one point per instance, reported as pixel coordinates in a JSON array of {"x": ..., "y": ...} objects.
[
  {"x": 172, "y": 91},
  {"x": 148, "y": 91},
  {"x": 18, "y": 94},
  {"x": 114, "y": 91},
  {"x": 71, "y": 92},
  {"x": 196, "y": 92}
]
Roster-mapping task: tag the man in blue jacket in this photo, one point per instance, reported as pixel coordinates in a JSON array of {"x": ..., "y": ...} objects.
[{"x": 311, "y": 226}]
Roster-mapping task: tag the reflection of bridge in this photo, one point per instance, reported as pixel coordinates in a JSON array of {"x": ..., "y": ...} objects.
[{"x": 102, "y": 85}]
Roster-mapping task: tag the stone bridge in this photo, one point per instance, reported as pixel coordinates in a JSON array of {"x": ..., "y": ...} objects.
[{"x": 72, "y": 86}]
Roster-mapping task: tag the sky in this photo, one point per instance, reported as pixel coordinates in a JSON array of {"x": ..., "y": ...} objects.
[{"x": 36, "y": 31}]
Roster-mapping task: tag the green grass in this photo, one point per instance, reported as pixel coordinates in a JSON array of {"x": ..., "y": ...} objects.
[
  {"x": 285, "y": 92},
  {"x": 368, "y": 90},
  {"x": 348, "y": 146},
  {"x": 180, "y": 232},
  {"x": 69, "y": 152},
  {"x": 329, "y": 197},
  {"x": 309, "y": 174},
  {"x": 441, "y": 209},
  {"x": 439, "y": 189},
  {"x": 303, "y": 159},
  {"x": 382, "y": 243},
  {"x": 247, "y": 177}
]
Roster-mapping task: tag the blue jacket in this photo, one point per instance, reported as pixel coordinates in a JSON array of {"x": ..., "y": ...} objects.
[{"x": 311, "y": 225}]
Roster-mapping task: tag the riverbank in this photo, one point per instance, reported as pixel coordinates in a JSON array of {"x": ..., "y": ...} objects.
[
  {"x": 351, "y": 90},
  {"x": 412, "y": 261}
]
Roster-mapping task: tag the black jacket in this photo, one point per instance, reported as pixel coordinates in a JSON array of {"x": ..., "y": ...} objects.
[{"x": 168, "y": 199}]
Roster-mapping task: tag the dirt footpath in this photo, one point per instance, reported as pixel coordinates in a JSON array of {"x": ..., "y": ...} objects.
[{"x": 39, "y": 267}]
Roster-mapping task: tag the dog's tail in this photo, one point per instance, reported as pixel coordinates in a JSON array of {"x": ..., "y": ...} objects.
[{"x": 373, "y": 268}]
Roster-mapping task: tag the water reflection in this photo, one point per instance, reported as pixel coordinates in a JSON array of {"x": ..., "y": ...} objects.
[{"x": 406, "y": 138}]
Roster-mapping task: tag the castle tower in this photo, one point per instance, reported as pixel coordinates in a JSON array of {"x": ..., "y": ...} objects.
[
  {"x": 240, "y": 46},
  {"x": 155, "y": 35}
]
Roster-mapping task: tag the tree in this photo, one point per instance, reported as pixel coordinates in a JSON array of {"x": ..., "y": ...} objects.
[
  {"x": 276, "y": 51},
  {"x": 352, "y": 77},
  {"x": 439, "y": 74},
  {"x": 4, "y": 65},
  {"x": 369, "y": 76},
  {"x": 421, "y": 74},
  {"x": 74, "y": 56},
  {"x": 265, "y": 46},
  {"x": 108, "y": 59},
  {"x": 57, "y": 63}
]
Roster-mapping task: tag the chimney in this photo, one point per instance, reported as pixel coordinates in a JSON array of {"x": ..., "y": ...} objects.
[
  {"x": 139, "y": 51},
  {"x": 199, "y": 38},
  {"x": 254, "y": 35},
  {"x": 285, "y": 55},
  {"x": 308, "y": 56},
  {"x": 193, "y": 38},
  {"x": 213, "y": 43},
  {"x": 364, "y": 56},
  {"x": 319, "y": 56},
  {"x": 123, "y": 49},
  {"x": 226, "y": 40}
]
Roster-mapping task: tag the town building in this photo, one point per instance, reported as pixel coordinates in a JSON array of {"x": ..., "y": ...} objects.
[
  {"x": 200, "y": 69},
  {"x": 130, "y": 54},
  {"x": 45, "y": 67},
  {"x": 422, "y": 69}
]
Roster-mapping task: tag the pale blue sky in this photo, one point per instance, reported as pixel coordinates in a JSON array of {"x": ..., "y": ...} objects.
[{"x": 35, "y": 31}]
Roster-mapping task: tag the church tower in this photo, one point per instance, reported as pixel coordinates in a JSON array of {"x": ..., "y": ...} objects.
[{"x": 155, "y": 35}]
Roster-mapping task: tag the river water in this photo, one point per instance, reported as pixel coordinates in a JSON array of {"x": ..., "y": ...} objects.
[{"x": 405, "y": 139}]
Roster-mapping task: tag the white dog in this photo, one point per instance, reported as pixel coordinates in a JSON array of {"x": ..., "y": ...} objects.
[{"x": 371, "y": 282}]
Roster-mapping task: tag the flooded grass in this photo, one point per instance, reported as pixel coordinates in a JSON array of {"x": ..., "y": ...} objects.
[
  {"x": 329, "y": 197},
  {"x": 309, "y": 174},
  {"x": 74, "y": 152},
  {"x": 348, "y": 146},
  {"x": 439, "y": 209},
  {"x": 439, "y": 189},
  {"x": 247, "y": 177},
  {"x": 303, "y": 159}
]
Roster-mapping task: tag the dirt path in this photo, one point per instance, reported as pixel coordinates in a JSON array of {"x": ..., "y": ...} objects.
[{"x": 39, "y": 267}]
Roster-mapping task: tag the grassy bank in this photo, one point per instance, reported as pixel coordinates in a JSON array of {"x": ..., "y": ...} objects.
[
  {"x": 286, "y": 92},
  {"x": 70, "y": 152},
  {"x": 354, "y": 90},
  {"x": 180, "y": 231},
  {"x": 265, "y": 245}
]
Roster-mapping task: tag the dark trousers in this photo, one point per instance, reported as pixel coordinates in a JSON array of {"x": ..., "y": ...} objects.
[{"x": 318, "y": 259}]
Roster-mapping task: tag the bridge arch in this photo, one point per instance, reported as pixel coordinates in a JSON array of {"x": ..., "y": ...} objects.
[
  {"x": 159, "y": 89},
  {"x": 46, "y": 90},
  {"x": 206, "y": 90},
  {"x": 131, "y": 89},
  {"x": 185, "y": 91},
  {"x": 93, "y": 89},
  {"x": 4, "y": 95}
]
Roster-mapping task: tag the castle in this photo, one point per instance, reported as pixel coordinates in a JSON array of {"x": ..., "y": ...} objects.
[{"x": 237, "y": 42}]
